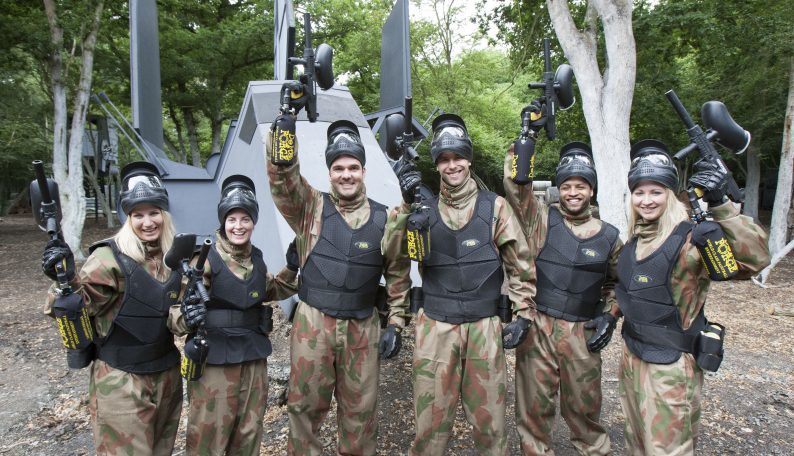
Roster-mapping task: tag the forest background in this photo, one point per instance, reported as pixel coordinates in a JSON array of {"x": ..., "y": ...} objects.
[{"x": 740, "y": 52}]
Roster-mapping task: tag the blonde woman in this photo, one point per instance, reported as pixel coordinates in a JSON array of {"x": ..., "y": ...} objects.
[
  {"x": 661, "y": 292},
  {"x": 135, "y": 390}
]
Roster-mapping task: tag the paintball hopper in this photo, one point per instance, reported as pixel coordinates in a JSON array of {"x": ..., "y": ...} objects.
[
  {"x": 563, "y": 86},
  {"x": 394, "y": 128},
  {"x": 183, "y": 247},
  {"x": 42, "y": 203},
  {"x": 729, "y": 134},
  {"x": 323, "y": 66}
]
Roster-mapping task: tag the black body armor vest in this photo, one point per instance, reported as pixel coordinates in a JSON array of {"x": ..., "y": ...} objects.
[
  {"x": 462, "y": 278},
  {"x": 139, "y": 341},
  {"x": 234, "y": 312},
  {"x": 343, "y": 270},
  {"x": 652, "y": 324},
  {"x": 571, "y": 271}
]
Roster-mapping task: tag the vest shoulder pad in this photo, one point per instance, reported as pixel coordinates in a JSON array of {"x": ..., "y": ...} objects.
[{"x": 103, "y": 243}]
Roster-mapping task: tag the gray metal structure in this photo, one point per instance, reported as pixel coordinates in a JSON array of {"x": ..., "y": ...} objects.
[
  {"x": 283, "y": 40},
  {"x": 395, "y": 71},
  {"x": 194, "y": 191},
  {"x": 147, "y": 105}
]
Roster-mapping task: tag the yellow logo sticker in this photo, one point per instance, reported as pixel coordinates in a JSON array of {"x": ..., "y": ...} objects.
[
  {"x": 590, "y": 253},
  {"x": 254, "y": 294},
  {"x": 470, "y": 243},
  {"x": 642, "y": 278},
  {"x": 362, "y": 245},
  {"x": 173, "y": 294}
]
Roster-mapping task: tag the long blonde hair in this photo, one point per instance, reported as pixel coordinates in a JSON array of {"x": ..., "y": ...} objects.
[
  {"x": 674, "y": 213},
  {"x": 131, "y": 245}
]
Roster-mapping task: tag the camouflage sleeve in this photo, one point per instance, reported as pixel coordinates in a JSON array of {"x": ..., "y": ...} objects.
[
  {"x": 530, "y": 212},
  {"x": 747, "y": 239},
  {"x": 397, "y": 268},
  {"x": 518, "y": 262},
  {"x": 608, "y": 290},
  {"x": 101, "y": 284},
  {"x": 293, "y": 196},
  {"x": 282, "y": 285}
]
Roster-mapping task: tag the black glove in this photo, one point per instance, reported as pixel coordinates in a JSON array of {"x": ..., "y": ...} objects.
[
  {"x": 55, "y": 252},
  {"x": 293, "y": 262},
  {"x": 604, "y": 326},
  {"x": 711, "y": 179},
  {"x": 390, "y": 342},
  {"x": 295, "y": 94},
  {"x": 408, "y": 177},
  {"x": 193, "y": 311},
  {"x": 515, "y": 332},
  {"x": 535, "y": 107}
]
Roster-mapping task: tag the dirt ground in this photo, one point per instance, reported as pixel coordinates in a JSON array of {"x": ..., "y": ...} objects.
[{"x": 748, "y": 406}]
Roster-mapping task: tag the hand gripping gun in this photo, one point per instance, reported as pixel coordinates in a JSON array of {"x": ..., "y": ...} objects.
[
  {"x": 707, "y": 235},
  {"x": 74, "y": 324},
  {"x": 178, "y": 259},
  {"x": 557, "y": 94}
]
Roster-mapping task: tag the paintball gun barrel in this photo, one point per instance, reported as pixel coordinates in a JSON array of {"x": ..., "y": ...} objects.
[{"x": 724, "y": 130}]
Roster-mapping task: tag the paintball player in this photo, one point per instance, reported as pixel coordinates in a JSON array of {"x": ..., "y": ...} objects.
[
  {"x": 662, "y": 290},
  {"x": 475, "y": 241},
  {"x": 135, "y": 390},
  {"x": 336, "y": 330},
  {"x": 576, "y": 268},
  {"x": 227, "y": 403}
]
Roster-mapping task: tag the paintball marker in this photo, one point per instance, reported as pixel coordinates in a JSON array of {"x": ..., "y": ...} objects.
[
  {"x": 400, "y": 147},
  {"x": 317, "y": 69},
  {"x": 707, "y": 235},
  {"x": 178, "y": 259},
  {"x": 74, "y": 324},
  {"x": 557, "y": 93}
]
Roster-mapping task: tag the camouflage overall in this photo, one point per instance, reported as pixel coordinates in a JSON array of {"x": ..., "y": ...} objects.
[
  {"x": 554, "y": 357},
  {"x": 227, "y": 404},
  {"x": 130, "y": 413},
  {"x": 333, "y": 356},
  {"x": 466, "y": 360},
  {"x": 662, "y": 402}
]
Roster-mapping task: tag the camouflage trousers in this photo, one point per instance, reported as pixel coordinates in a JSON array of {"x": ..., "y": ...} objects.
[
  {"x": 459, "y": 361},
  {"x": 227, "y": 406},
  {"x": 339, "y": 358},
  {"x": 554, "y": 358},
  {"x": 134, "y": 414},
  {"x": 661, "y": 403}
]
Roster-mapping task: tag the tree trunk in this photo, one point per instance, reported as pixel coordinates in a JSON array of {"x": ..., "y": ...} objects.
[
  {"x": 753, "y": 182},
  {"x": 217, "y": 125},
  {"x": 192, "y": 134},
  {"x": 778, "y": 230},
  {"x": 180, "y": 146},
  {"x": 606, "y": 96},
  {"x": 67, "y": 163},
  {"x": 102, "y": 196}
]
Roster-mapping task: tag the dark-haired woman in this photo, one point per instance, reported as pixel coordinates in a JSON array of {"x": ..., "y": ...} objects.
[{"x": 227, "y": 404}]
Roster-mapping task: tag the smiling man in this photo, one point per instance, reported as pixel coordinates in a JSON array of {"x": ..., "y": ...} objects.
[
  {"x": 475, "y": 244},
  {"x": 335, "y": 334},
  {"x": 577, "y": 269}
]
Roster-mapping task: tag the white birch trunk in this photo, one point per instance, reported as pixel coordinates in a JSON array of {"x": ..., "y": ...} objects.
[
  {"x": 67, "y": 163},
  {"x": 778, "y": 229},
  {"x": 752, "y": 184},
  {"x": 606, "y": 95}
]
